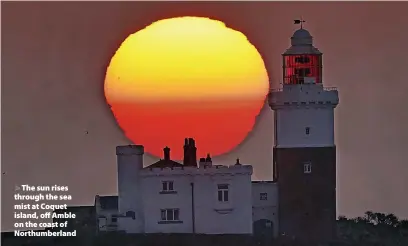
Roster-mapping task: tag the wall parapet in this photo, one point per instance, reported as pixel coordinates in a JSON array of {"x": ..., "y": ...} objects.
[
  {"x": 208, "y": 170},
  {"x": 314, "y": 96},
  {"x": 279, "y": 89},
  {"x": 130, "y": 150}
]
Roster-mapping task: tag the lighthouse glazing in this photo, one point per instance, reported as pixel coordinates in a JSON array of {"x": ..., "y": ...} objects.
[{"x": 304, "y": 154}]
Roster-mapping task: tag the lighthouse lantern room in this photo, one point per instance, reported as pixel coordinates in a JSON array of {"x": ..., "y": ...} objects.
[{"x": 302, "y": 62}]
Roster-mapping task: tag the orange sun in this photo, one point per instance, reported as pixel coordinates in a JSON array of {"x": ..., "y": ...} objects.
[{"x": 186, "y": 77}]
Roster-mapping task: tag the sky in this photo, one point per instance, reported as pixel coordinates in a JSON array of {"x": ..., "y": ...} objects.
[{"x": 57, "y": 129}]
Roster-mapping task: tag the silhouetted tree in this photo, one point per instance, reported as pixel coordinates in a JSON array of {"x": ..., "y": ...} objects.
[
  {"x": 391, "y": 220},
  {"x": 361, "y": 220},
  {"x": 373, "y": 229},
  {"x": 370, "y": 216}
]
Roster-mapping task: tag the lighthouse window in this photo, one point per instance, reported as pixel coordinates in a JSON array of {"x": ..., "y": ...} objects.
[
  {"x": 302, "y": 59},
  {"x": 263, "y": 196},
  {"x": 302, "y": 71},
  {"x": 307, "y": 130},
  {"x": 223, "y": 193},
  {"x": 307, "y": 167}
]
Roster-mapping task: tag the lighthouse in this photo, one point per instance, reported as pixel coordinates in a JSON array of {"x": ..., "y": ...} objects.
[{"x": 304, "y": 154}]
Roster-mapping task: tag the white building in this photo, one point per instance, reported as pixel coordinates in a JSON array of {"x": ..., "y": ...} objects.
[
  {"x": 170, "y": 197},
  {"x": 204, "y": 198}
]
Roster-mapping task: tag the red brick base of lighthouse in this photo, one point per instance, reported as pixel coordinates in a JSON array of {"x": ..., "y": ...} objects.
[{"x": 307, "y": 197}]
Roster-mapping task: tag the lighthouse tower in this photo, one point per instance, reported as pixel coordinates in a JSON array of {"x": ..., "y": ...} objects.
[{"x": 304, "y": 154}]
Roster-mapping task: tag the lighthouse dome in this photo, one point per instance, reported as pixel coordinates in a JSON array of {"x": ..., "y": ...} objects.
[{"x": 301, "y": 37}]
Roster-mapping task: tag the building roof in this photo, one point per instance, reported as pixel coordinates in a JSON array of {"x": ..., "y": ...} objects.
[
  {"x": 109, "y": 202},
  {"x": 301, "y": 33},
  {"x": 164, "y": 164},
  {"x": 301, "y": 37},
  {"x": 302, "y": 43}
]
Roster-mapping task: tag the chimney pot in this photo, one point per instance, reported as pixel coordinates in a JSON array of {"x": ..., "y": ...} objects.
[
  {"x": 208, "y": 159},
  {"x": 190, "y": 153}
]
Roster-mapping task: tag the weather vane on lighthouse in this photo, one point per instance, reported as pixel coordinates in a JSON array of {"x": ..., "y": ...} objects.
[{"x": 300, "y": 21}]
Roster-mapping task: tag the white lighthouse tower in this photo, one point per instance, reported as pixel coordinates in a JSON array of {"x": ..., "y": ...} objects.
[{"x": 304, "y": 161}]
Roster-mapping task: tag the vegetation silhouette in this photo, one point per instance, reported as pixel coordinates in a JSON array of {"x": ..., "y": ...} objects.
[{"x": 372, "y": 229}]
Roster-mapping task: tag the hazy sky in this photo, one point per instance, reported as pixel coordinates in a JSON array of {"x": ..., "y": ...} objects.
[{"x": 54, "y": 58}]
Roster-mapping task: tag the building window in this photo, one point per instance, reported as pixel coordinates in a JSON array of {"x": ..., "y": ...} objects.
[
  {"x": 307, "y": 167},
  {"x": 114, "y": 219},
  {"x": 167, "y": 186},
  {"x": 223, "y": 193},
  {"x": 307, "y": 130},
  {"x": 263, "y": 196},
  {"x": 170, "y": 214},
  {"x": 131, "y": 214}
]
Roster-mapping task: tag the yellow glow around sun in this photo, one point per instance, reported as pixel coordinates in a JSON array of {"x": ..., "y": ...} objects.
[{"x": 186, "y": 58}]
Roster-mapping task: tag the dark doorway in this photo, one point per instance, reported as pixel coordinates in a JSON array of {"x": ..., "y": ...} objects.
[{"x": 263, "y": 230}]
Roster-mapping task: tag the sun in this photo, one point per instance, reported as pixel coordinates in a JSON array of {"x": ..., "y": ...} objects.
[{"x": 186, "y": 77}]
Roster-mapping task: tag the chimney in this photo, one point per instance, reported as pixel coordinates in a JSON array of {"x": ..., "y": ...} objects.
[
  {"x": 208, "y": 160},
  {"x": 186, "y": 153},
  {"x": 202, "y": 163},
  {"x": 192, "y": 152},
  {"x": 166, "y": 152}
]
